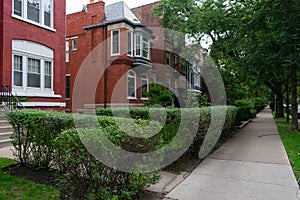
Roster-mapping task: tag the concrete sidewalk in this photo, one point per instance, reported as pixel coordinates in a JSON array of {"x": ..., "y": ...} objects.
[{"x": 251, "y": 165}]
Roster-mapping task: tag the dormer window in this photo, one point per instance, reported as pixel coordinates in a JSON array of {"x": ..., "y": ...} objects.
[{"x": 142, "y": 46}]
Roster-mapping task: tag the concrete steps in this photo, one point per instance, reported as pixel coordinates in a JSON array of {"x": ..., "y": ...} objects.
[{"x": 6, "y": 130}]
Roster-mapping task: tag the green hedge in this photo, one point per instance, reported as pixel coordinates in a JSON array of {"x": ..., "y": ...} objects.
[
  {"x": 34, "y": 132},
  {"x": 45, "y": 139},
  {"x": 84, "y": 177}
]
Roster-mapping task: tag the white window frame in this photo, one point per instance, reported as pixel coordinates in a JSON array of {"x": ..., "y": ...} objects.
[
  {"x": 74, "y": 43},
  {"x": 18, "y": 70},
  {"x": 31, "y": 50},
  {"x": 67, "y": 50},
  {"x": 139, "y": 46},
  {"x": 133, "y": 77},
  {"x": 41, "y": 22},
  {"x": 168, "y": 58},
  {"x": 129, "y": 43},
  {"x": 112, "y": 42},
  {"x": 144, "y": 78},
  {"x": 154, "y": 76}
]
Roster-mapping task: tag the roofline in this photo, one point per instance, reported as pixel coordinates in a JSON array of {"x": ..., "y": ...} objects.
[{"x": 114, "y": 22}]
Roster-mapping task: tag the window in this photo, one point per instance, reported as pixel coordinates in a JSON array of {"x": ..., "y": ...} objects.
[
  {"x": 48, "y": 75},
  {"x": 144, "y": 86},
  {"x": 131, "y": 85},
  {"x": 18, "y": 71},
  {"x": 168, "y": 81},
  {"x": 36, "y": 11},
  {"x": 67, "y": 51},
  {"x": 68, "y": 94},
  {"x": 146, "y": 47},
  {"x": 153, "y": 76},
  {"x": 74, "y": 44},
  {"x": 142, "y": 46},
  {"x": 129, "y": 43},
  {"x": 138, "y": 45},
  {"x": 115, "y": 42},
  {"x": 32, "y": 72},
  {"x": 195, "y": 81},
  {"x": 167, "y": 58},
  {"x": 176, "y": 60}
]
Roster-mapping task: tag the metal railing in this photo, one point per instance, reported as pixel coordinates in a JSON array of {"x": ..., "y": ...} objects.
[{"x": 8, "y": 99}]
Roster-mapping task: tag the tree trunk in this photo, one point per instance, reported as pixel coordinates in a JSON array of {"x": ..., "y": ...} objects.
[
  {"x": 294, "y": 99},
  {"x": 280, "y": 110},
  {"x": 287, "y": 101}
]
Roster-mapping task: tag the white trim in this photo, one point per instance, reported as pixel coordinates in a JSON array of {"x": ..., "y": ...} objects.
[
  {"x": 131, "y": 41},
  {"x": 111, "y": 43},
  {"x": 32, "y": 92},
  {"x": 43, "y": 104},
  {"x": 41, "y": 22},
  {"x": 135, "y": 95},
  {"x": 33, "y": 23},
  {"x": 147, "y": 80}
]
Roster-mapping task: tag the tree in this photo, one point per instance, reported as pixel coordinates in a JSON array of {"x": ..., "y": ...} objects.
[{"x": 255, "y": 37}]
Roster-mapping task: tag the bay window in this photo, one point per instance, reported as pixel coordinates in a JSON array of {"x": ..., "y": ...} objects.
[
  {"x": 142, "y": 46},
  {"x": 129, "y": 43}
]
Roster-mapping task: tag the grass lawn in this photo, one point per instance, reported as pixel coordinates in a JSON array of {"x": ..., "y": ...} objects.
[
  {"x": 291, "y": 143},
  {"x": 16, "y": 188}
]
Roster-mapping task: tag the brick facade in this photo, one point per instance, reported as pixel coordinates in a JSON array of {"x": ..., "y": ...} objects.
[
  {"x": 17, "y": 28},
  {"x": 98, "y": 78}
]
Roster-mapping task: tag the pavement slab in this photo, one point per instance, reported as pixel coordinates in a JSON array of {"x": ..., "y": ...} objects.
[{"x": 253, "y": 164}]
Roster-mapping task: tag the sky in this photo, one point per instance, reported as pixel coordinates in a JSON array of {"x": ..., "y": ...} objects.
[{"x": 76, "y": 5}]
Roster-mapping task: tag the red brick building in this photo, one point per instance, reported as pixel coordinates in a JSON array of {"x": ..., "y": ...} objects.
[
  {"x": 108, "y": 55},
  {"x": 32, "y": 51},
  {"x": 167, "y": 51}
]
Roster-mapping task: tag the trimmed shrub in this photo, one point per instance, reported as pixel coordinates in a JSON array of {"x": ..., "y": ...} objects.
[
  {"x": 253, "y": 113},
  {"x": 84, "y": 177},
  {"x": 34, "y": 132},
  {"x": 244, "y": 107}
]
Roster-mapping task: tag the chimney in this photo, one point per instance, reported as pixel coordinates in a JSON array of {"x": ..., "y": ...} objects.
[
  {"x": 93, "y": 1},
  {"x": 95, "y": 11}
]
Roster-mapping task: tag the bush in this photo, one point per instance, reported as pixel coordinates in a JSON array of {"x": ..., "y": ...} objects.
[
  {"x": 244, "y": 107},
  {"x": 84, "y": 177},
  {"x": 34, "y": 132},
  {"x": 253, "y": 113},
  {"x": 158, "y": 94},
  {"x": 197, "y": 100}
]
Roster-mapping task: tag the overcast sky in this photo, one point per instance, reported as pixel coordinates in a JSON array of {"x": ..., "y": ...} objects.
[{"x": 76, "y": 5}]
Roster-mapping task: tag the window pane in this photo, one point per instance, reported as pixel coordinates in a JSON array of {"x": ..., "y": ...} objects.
[
  {"x": 138, "y": 45},
  {"x": 129, "y": 43},
  {"x": 33, "y": 10},
  {"x": 145, "y": 48},
  {"x": 47, "y": 12},
  {"x": 18, "y": 7},
  {"x": 115, "y": 42},
  {"x": 48, "y": 75},
  {"x": 144, "y": 87},
  {"x": 18, "y": 71},
  {"x": 131, "y": 84},
  {"x": 67, "y": 87},
  {"x": 74, "y": 44},
  {"x": 34, "y": 70},
  {"x": 167, "y": 58}
]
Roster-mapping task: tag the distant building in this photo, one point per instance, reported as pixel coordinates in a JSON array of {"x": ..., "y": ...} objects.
[
  {"x": 32, "y": 58},
  {"x": 108, "y": 56}
]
